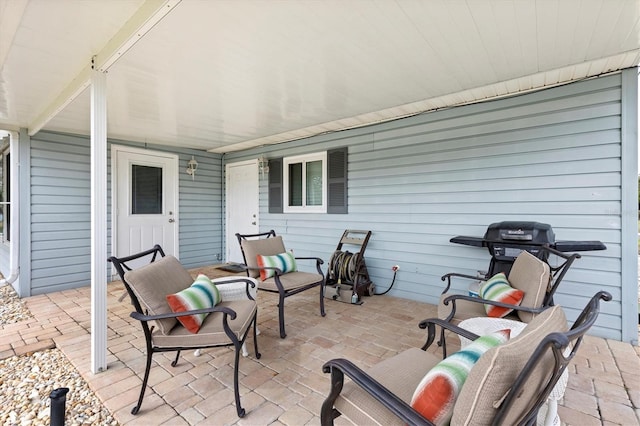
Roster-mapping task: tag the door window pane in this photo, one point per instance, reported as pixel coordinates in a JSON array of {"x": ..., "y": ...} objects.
[
  {"x": 146, "y": 190},
  {"x": 314, "y": 183}
]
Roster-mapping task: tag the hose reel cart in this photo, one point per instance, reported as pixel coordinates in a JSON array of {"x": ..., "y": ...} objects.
[{"x": 347, "y": 276}]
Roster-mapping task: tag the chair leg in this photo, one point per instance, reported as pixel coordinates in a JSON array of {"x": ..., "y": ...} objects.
[
  {"x": 147, "y": 369},
  {"x": 255, "y": 336},
  {"x": 281, "y": 316},
  {"x": 236, "y": 387},
  {"x": 175, "y": 361},
  {"x": 322, "y": 313}
]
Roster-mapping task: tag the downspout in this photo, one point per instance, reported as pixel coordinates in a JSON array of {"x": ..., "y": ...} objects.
[
  {"x": 223, "y": 216},
  {"x": 14, "y": 242}
]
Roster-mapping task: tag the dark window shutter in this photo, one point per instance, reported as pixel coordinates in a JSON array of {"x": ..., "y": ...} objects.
[
  {"x": 275, "y": 185},
  {"x": 337, "y": 181}
]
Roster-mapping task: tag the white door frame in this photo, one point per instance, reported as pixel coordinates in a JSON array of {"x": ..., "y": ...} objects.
[{"x": 115, "y": 149}]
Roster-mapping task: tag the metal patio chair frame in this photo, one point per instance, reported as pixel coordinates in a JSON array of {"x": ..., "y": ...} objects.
[
  {"x": 281, "y": 284},
  {"x": 556, "y": 348},
  {"x": 228, "y": 314},
  {"x": 556, "y": 275}
]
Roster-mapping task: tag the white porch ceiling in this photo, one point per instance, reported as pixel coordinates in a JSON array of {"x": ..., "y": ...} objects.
[{"x": 226, "y": 75}]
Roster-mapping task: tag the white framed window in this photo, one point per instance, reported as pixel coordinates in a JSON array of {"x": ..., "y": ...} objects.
[{"x": 305, "y": 183}]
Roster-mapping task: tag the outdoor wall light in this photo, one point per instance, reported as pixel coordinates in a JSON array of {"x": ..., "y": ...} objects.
[
  {"x": 263, "y": 165},
  {"x": 192, "y": 166}
]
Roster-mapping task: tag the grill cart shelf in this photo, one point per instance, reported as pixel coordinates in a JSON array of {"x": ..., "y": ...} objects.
[
  {"x": 347, "y": 276},
  {"x": 506, "y": 240}
]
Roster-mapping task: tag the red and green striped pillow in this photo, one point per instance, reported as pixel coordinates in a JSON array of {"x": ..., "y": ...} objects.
[
  {"x": 202, "y": 294},
  {"x": 436, "y": 394},
  {"x": 498, "y": 289},
  {"x": 283, "y": 261}
]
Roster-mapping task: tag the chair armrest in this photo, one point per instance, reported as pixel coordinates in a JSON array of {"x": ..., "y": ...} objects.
[
  {"x": 454, "y": 297},
  {"x": 262, "y": 268},
  {"x": 317, "y": 259},
  {"x": 318, "y": 263},
  {"x": 230, "y": 289},
  {"x": 447, "y": 278},
  {"x": 339, "y": 367},
  {"x": 144, "y": 317},
  {"x": 431, "y": 323}
]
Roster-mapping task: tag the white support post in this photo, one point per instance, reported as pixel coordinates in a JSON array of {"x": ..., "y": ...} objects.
[{"x": 98, "y": 221}]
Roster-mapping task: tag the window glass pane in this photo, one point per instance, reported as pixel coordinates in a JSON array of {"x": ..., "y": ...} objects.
[
  {"x": 314, "y": 183},
  {"x": 295, "y": 184},
  {"x": 146, "y": 190}
]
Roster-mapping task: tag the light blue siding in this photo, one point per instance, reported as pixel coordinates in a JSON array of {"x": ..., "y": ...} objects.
[
  {"x": 60, "y": 219},
  {"x": 552, "y": 156}
]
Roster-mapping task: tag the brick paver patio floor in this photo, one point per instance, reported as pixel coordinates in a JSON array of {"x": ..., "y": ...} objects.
[{"x": 286, "y": 386}]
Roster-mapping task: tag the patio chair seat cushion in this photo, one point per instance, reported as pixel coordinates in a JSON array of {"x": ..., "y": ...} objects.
[
  {"x": 400, "y": 374},
  {"x": 532, "y": 276},
  {"x": 291, "y": 281},
  {"x": 211, "y": 333},
  {"x": 152, "y": 283},
  {"x": 265, "y": 247},
  {"x": 496, "y": 371}
]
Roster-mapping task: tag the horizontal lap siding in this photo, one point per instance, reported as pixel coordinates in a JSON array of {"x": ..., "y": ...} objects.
[
  {"x": 552, "y": 156},
  {"x": 201, "y": 232},
  {"x": 61, "y": 210}
]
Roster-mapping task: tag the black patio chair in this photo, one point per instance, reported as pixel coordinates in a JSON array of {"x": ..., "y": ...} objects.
[
  {"x": 537, "y": 279},
  {"x": 507, "y": 385},
  {"x": 275, "y": 279},
  {"x": 226, "y": 324}
]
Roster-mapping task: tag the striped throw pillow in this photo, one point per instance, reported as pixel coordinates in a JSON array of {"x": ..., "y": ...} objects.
[
  {"x": 283, "y": 261},
  {"x": 498, "y": 289},
  {"x": 436, "y": 394},
  {"x": 202, "y": 294}
]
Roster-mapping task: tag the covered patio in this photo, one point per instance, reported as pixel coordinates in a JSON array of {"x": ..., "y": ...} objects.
[{"x": 286, "y": 386}]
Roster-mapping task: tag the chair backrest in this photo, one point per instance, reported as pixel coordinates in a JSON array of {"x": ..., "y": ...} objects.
[
  {"x": 266, "y": 244},
  {"x": 149, "y": 285},
  {"x": 509, "y": 383},
  {"x": 532, "y": 276}
]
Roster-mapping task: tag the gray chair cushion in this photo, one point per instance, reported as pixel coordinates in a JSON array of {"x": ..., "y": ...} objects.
[
  {"x": 531, "y": 275},
  {"x": 291, "y": 281},
  {"x": 496, "y": 370},
  {"x": 400, "y": 374},
  {"x": 211, "y": 333},
  {"x": 263, "y": 246},
  {"x": 152, "y": 283}
]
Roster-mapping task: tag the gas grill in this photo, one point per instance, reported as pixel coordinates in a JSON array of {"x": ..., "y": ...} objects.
[{"x": 506, "y": 240}]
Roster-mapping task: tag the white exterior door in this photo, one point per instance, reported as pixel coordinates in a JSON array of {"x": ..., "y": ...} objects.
[
  {"x": 145, "y": 209},
  {"x": 242, "y": 205}
]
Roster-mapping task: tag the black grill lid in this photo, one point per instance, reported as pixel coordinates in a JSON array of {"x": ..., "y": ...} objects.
[
  {"x": 520, "y": 233},
  {"x": 525, "y": 232}
]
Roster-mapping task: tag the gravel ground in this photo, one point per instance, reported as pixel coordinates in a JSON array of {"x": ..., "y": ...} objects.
[
  {"x": 26, "y": 382},
  {"x": 12, "y": 309}
]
